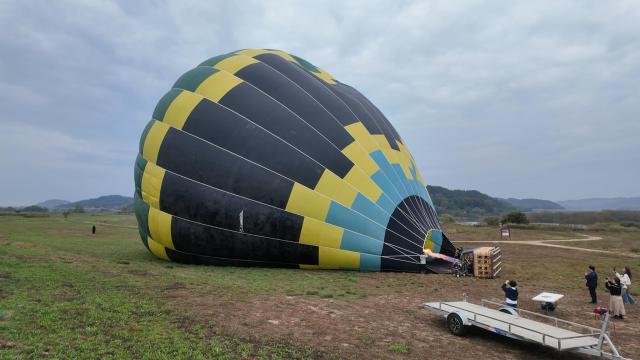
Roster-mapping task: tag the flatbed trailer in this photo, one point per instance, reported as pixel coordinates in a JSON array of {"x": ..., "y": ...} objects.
[{"x": 510, "y": 322}]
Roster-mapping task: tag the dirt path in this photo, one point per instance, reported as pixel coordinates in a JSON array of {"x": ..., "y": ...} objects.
[
  {"x": 550, "y": 243},
  {"x": 107, "y": 224}
]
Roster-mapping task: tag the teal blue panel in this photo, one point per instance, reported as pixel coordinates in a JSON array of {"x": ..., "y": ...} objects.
[
  {"x": 422, "y": 189},
  {"x": 436, "y": 238},
  {"x": 369, "y": 209},
  {"x": 386, "y": 203},
  {"x": 360, "y": 243},
  {"x": 387, "y": 187},
  {"x": 369, "y": 262},
  {"x": 407, "y": 185},
  {"x": 385, "y": 177},
  {"x": 344, "y": 217}
]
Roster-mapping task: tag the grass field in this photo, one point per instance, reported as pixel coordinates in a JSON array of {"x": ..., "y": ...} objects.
[{"x": 65, "y": 293}]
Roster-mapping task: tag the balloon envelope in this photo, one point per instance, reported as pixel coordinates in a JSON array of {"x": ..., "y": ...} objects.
[{"x": 259, "y": 158}]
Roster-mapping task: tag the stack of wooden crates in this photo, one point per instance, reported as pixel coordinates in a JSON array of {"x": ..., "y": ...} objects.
[{"x": 487, "y": 262}]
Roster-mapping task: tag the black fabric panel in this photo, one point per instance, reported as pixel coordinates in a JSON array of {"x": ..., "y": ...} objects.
[
  {"x": 382, "y": 120},
  {"x": 186, "y": 258},
  {"x": 196, "y": 159},
  {"x": 447, "y": 247},
  {"x": 220, "y": 126},
  {"x": 194, "y": 201},
  {"x": 376, "y": 123},
  {"x": 362, "y": 112},
  {"x": 406, "y": 264},
  {"x": 432, "y": 218},
  {"x": 311, "y": 85},
  {"x": 394, "y": 236},
  {"x": 433, "y": 266},
  {"x": 264, "y": 111},
  {"x": 191, "y": 237},
  {"x": 397, "y": 231},
  {"x": 293, "y": 97},
  {"x": 391, "y": 238},
  {"x": 438, "y": 266}
]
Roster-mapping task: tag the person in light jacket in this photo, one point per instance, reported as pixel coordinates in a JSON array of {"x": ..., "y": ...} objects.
[
  {"x": 616, "y": 306},
  {"x": 510, "y": 293},
  {"x": 625, "y": 281}
]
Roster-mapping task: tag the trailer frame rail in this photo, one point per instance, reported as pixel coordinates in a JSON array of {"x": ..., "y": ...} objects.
[{"x": 522, "y": 328}]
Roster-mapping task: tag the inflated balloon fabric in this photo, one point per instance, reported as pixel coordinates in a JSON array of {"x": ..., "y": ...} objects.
[{"x": 259, "y": 158}]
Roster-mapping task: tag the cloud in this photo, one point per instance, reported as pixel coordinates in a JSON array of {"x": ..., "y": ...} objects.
[
  {"x": 39, "y": 164},
  {"x": 547, "y": 91}
]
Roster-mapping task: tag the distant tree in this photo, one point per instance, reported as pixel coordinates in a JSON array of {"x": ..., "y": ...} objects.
[
  {"x": 78, "y": 209},
  {"x": 585, "y": 217},
  {"x": 35, "y": 209},
  {"x": 492, "y": 221},
  {"x": 65, "y": 214},
  {"x": 515, "y": 217},
  {"x": 447, "y": 219},
  {"x": 127, "y": 209}
]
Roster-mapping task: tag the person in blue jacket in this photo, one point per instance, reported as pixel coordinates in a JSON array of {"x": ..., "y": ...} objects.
[
  {"x": 510, "y": 293},
  {"x": 591, "y": 278}
]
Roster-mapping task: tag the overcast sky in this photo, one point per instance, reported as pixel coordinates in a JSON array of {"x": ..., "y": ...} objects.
[{"x": 515, "y": 99}]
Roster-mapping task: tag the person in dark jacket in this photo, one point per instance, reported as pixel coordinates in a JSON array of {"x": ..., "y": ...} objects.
[
  {"x": 616, "y": 305},
  {"x": 591, "y": 277},
  {"x": 510, "y": 293}
]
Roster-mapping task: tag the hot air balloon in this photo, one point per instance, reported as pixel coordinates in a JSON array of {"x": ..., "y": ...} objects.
[{"x": 259, "y": 158}]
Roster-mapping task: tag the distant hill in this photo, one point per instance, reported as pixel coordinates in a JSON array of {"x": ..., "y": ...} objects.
[
  {"x": 52, "y": 204},
  {"x": 102, "y": 203},
  {"x": 597, "y": 204},
  {"x": 468, "y": 204},
  {"x": 533, "y": 204}
]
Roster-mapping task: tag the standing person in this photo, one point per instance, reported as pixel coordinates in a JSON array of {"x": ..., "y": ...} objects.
[
  {"x": 510, "y": 293},
  {"x": 592, "y": 283},
  {"x": 616, "y": 306},
  {"x": 625, "y": 280}
]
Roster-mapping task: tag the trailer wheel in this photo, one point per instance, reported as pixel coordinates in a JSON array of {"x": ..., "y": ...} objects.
[{"x": 456, "y": 325}]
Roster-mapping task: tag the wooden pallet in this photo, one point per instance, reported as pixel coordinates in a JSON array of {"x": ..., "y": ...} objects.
[{"x": 487, "y": 262}]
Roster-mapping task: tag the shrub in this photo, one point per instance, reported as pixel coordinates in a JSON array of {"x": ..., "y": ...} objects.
[
  {"x": 447, "y": 219},
  {"x": 34, "y": 208},
  {"x": 515, "y": 217}
]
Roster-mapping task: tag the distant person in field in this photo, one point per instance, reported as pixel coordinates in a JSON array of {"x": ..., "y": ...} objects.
[
  {"x": 510, "y": 293},
  {"x": 616, "y": 306},
  {"x": 591, "y": 277},
  {"x": 625, "y": 280}
]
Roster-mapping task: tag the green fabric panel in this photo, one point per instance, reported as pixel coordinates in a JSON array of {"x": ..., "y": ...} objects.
[
  {"x": 193, "y": 78},
  {"x": 141, "y": 163},
  {"x": 141, "y": 209},
  {"x": 163, "y": 104},
  {"x": 143, "y": 137},
  {"x": 305, "y": 64}
]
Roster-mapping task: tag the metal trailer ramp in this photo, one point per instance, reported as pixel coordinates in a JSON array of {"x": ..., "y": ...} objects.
[{"x": 517, "y": 327}]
